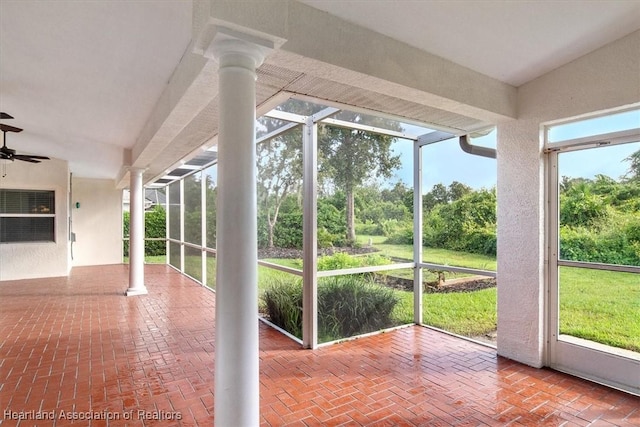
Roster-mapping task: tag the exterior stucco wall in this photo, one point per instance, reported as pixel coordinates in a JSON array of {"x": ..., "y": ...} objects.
[
  {"x": 97, "y": 223},
  {"x": 35, "y": 260},
  {"x": 605, "y": 79}
]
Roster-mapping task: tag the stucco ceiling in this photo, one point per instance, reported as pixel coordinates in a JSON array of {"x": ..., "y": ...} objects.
[{"x": 82, "y": 77}]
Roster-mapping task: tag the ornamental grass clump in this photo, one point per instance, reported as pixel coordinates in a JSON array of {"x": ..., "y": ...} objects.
[
  {"x": 353, "y": 305},
  {"x": 282, "y": 299},
  {"x": 347, "y": 306}
]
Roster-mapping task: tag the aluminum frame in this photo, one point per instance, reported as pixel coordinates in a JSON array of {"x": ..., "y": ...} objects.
[
  {"x": 583, "y": 358},
  {"x": 309, "y": 272},
  {"x": 310, "y": 235}
]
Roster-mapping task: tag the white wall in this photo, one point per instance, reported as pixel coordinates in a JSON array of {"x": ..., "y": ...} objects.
[
  {"x": 33, "y": 260},
  {"x": 604, "y": 79},
  {"x": 97, "y": 223}
]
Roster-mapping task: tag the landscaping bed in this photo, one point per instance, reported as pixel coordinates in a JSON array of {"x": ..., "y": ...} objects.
[{"x": 465, "y": 284}]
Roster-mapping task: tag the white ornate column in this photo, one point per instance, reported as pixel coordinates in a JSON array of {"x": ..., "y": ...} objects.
[
  {"x": 237, "y": 383},
  {"x": 136, "y": 234}
]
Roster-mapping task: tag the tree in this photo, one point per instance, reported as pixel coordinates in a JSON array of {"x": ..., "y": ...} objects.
[
  {"x": 467, "y": 224},
  {"x": 279, "y": 174},
  {"x": 633, "y": 174},
  {"x": 579, "y": 206},
  {"x": 211, "y": 194},
  {"x": 279, "y": 162},
  {"x": 457, "y": 190},
  {"x": 349, "y": 157},
  {"x": 437, "y": 196}
]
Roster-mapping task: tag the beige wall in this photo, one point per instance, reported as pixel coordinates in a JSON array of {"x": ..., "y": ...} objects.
[
  {"x": 605, "y": 79},
  {"x": 97, "y": 223},
  {"x": 33, "y": 260}
]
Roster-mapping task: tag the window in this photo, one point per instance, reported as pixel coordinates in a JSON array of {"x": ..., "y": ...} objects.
[{"x": 27, "y": 216}]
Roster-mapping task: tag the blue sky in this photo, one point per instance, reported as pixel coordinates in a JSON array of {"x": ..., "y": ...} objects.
[{"x": 444, "y": 162}]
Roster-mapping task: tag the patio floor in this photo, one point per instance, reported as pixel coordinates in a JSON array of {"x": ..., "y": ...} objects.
[{"x": 76, "y": 346}]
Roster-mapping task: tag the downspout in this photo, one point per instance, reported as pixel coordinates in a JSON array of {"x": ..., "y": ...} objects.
[{"x": 476, "y": 150}]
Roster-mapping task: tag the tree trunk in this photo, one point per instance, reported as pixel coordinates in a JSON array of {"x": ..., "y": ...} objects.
[
  {"x": 271, "y": 228},
  {"x": 350, "y": 214},
  {"x": 273, "y": 221}
]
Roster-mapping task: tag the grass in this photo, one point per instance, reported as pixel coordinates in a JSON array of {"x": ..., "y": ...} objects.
[
  {"x": 432, "y": 255},
  {"x": 464, "y": 313},
  {"x": 148, "y": 259},
  {"x": 601, "y": 306},
  {"x": 193, "y": 263}
]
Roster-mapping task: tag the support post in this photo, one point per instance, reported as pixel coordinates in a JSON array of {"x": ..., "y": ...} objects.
[
  {"x": 417, "y": 232},
  {"x": 236, "y": 348},
  {"x": 203, "y": 225},
  {"x": 136, "y": 234},
  {"x": 310, "y": 235}
]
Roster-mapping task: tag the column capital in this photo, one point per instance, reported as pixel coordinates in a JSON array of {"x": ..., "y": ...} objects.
[
  {"x": 232, "y": 47},
  {"x": 136, "y": 170}
]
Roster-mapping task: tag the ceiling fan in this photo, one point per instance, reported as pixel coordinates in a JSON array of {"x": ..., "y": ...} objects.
[{"x": 7, "y": 153}]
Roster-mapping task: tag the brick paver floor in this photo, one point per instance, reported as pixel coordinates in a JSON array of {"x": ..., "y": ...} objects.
[{"x": 77, "y": 348}]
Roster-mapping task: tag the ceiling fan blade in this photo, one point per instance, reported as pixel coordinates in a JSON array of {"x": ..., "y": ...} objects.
[
  {"x": 4, "y": 155},
  {"x": 4, "y": 115},
  {"x": 7, "y": 128},
  {"x": 25, "y": 158}
]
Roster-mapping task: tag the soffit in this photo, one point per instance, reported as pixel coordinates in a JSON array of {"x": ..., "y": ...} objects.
[
  {"x": 511, "y": 41},
  {"x": 82, "y": 77}
]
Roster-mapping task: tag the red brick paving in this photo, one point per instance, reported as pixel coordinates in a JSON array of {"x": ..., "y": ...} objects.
[{"x": 77, "y": 346}]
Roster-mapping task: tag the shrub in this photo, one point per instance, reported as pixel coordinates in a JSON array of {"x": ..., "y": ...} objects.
[
  {"x": 126, "y": 220},
  {"x": 373, "y": 259},
  {"x": 580, "y": 207},
  {"x": 288, "y": 230},
  {"x": 328, "y": 240},
  {"x": 155, "y": 225},
  {"x": 402, "y": 236},
  {"x": 337, "y": 261},
  {"x": 352, "y": 305},
  {"x": 610, "y": 247},
  {"x": 331, "y": 218},
  {"x": 632, "y": 230},
  {"x": 342, "y": 260},
  {"x": 467, "y": 224},
  {"x": 368, "y": 229},
  {"x": 390, "y": 226},
  {"x": 482, "y": 241}
]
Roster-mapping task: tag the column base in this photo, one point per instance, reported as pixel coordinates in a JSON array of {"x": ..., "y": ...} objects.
[{"x": 137, "y": 291}]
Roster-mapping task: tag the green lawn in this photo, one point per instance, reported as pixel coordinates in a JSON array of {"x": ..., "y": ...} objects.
[
  {"x": 464, "y": 313},
  {"x": 431, "y": 255},
  {"x": 601, "y": 306},
  {"x": 156, "y": 259}
]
